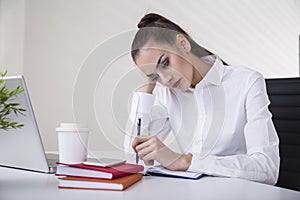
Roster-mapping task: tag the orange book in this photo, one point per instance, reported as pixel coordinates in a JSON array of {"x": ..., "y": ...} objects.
[{"x": 119, "y": 184}]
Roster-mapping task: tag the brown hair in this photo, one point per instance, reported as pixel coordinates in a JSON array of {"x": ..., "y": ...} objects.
[{"x": 160, "y": 29}]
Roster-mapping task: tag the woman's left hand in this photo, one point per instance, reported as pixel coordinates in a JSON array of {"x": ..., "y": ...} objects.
[{"x": 151, "y": 148}]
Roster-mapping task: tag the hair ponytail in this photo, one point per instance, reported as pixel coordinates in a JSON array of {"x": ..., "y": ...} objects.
[{"x": 148, "y": 20}]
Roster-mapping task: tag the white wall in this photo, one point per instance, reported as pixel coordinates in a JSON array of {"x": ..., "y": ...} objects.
[
  {"x": 76, "y": 59},
  {"x": 12, "y": 15}
]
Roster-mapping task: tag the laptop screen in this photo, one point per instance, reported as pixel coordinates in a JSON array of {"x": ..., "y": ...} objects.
[{"x": 22, "y": 147}]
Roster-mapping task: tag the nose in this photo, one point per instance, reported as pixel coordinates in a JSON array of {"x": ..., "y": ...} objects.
[{"x": 165, "y": 78}]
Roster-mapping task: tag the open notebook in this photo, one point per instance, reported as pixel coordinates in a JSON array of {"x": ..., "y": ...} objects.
[{"x": 161, "y": 171}]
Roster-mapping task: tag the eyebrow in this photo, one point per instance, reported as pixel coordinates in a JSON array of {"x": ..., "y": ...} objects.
[{"x": 157, "y": 65}]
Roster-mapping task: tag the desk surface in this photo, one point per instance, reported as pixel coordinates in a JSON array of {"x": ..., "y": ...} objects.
[{"x": 18, "y": 184}]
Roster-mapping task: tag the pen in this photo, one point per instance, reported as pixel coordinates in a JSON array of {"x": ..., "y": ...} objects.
[{"x": 138, "y": 134}]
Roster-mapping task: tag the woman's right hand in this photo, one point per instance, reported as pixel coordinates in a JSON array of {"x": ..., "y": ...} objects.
[{"x": 148, "y": 86}]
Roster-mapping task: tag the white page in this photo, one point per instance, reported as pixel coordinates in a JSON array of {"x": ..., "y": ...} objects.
[{"x": 185, "y": 174}]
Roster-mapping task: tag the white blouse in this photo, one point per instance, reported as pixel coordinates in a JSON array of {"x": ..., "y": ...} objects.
[{"x": 224, "y": 122}]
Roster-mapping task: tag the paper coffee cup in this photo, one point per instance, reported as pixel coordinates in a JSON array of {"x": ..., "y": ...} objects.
[{"x": 72, "y": 142}]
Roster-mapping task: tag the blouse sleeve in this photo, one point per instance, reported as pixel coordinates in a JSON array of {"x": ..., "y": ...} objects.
[
  {"x": 261, "y": 163},
  {"x": 154, "y": 119}
]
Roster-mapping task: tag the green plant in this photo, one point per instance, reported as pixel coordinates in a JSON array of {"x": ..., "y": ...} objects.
[{"x": 7, "y": 106}]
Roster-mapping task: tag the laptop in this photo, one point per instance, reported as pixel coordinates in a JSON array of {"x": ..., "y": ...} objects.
[{"x": 22, "y": 148}]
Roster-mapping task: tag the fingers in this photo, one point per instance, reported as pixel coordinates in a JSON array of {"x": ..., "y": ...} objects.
[
  {"x": 149, "y": 157},
  {"x": 138, "y": 140},
  {"x": 142, "y": 152},
  {"x": 144, "y": 145},
  {"x": 147, "y": 148}
]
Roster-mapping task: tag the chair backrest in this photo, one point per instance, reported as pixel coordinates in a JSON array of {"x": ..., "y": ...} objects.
[{"x": 284, "y": 95}]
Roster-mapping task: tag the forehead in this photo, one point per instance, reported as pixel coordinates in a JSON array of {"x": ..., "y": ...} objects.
[
  {"x": 149, "y": 56},
  {"x": 151, "y": 52}
]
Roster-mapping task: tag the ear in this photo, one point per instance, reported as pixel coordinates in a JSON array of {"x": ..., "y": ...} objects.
[{"x": 183, "y": 43}]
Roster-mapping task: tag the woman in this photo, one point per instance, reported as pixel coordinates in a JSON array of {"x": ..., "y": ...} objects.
[{"x": 218, "y": 113}]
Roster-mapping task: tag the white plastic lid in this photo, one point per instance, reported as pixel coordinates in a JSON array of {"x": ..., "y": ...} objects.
[{"x": 72, "y": 127}]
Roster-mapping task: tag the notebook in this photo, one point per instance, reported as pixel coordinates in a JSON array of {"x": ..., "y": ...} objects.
[
  {"x": 82, "y": 170},
  {"x": 161, "y": 171},
  {"x": 22, "y": 148}
]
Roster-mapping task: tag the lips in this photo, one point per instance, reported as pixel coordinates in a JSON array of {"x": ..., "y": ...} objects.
[{"x": 175, "y": 85}]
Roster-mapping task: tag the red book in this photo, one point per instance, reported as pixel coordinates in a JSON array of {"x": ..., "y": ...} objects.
[
  {"x": 82, "y": 170},
  {"x": 99, "y": 184}
]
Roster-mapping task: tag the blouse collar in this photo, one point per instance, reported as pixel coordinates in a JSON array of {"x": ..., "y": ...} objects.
[{"x": 215, "y": 74}]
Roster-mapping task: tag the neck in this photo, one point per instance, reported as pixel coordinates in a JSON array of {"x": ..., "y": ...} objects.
[{"x": 201, "y": 68}]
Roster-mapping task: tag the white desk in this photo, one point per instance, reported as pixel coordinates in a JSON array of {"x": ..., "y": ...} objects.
[{"x": 19, "y": 184}]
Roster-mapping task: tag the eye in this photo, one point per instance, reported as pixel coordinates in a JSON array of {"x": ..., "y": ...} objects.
[
  {"x": 165, "y": 63},
  {"x": 154, "y": 77}
]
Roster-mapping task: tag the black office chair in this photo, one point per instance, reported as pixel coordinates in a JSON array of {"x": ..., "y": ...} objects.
[{"x": 284, "y": 95}]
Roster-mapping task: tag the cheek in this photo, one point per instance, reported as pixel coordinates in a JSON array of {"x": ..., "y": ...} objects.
[{"x": 184, "y": 69}]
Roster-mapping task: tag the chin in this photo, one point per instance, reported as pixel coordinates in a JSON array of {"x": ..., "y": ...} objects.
[{"x": 184, "y": 88}]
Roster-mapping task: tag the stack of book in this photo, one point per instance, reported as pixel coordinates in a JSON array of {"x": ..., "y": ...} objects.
[{"x": 83, "y": 176}]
